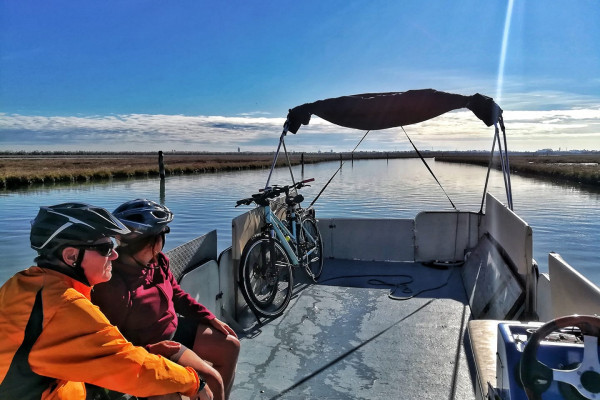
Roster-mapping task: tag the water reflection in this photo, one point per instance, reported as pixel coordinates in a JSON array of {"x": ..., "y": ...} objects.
[{"x": 564, "y": 218}]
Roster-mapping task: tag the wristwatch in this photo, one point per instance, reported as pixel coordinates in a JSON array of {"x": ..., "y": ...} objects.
[{"x": 202, "y": 384}]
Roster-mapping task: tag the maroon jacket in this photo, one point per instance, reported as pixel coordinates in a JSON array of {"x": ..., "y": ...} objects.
[{"x": 144, "y": 302}]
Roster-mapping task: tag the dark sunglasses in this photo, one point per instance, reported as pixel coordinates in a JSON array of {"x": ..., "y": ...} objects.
[{"x": 104, "y": 249}]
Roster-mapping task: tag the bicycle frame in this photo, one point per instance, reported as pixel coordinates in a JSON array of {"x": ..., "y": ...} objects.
[
  {"x": 281, "y": 231},
  {"x": 268, "y": 259}
]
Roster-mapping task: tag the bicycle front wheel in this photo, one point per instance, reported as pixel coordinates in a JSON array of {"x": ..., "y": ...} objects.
[
  {"x": 313, "y": 248},
  {"x": 266, "y": 276}
]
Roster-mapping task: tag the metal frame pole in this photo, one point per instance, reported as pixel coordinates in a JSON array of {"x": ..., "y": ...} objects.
[{"x": 285, "y": 130}]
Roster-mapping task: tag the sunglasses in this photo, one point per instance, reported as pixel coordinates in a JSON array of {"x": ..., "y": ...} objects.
[{"x": 104, "y": 249}]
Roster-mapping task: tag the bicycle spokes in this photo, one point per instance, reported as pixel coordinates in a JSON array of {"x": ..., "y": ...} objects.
[
  {"x": 312, "y": 249},
  {"x": 266, "y": 276}
]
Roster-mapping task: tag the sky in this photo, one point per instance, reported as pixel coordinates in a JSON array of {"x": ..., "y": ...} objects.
[{"x": 195, "y": 75}]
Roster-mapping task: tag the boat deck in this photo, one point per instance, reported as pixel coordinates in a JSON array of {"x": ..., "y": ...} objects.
[{"x": 346, "y": 338}]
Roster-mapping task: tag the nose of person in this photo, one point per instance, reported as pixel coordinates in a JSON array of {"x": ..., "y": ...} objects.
[{"x": 114, "y": 255}]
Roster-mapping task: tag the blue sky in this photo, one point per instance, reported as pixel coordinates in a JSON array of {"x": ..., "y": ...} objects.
[{"x": 214, "y": 76}]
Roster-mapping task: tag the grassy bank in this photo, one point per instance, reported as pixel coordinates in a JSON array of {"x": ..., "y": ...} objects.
[
  {"x": 20, "y": 170},
  {"x": 581, "y": 169}
]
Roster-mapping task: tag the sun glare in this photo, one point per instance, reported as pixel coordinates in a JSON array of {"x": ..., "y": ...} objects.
[{"x": 500, "y": 81}]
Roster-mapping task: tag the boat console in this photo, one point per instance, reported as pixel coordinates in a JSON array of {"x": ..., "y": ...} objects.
[{"x": 556, "y": 360}]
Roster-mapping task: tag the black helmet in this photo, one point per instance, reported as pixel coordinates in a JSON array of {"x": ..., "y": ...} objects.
[
  {"x": 72, "y": 224},
  {"x": 144, "y": 218}
]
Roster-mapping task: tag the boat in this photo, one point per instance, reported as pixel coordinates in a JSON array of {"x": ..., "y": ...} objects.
[{"x": 447, "y": 305}]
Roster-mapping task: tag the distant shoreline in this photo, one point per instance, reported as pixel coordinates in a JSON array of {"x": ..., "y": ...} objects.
[
  {"x": 18, "y": 170},
  {"x": 579, "y": 169}
]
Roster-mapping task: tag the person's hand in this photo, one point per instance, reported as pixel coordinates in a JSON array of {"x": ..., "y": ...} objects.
[
  {"x": 222, "y": 327},
  {"x": 204, "y": 394},
  {"x": 166, "y": 348}
]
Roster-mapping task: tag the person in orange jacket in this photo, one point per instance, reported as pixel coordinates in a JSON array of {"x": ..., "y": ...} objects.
[{"x": 53, "y": 340}]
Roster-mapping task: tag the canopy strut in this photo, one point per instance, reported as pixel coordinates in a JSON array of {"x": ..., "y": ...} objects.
[
  {"x": 285, "y": 130},
  {"x": 504, "y": 163},
  {"x": 430, "y": 171},
  {"x": 338, "y": 170}
]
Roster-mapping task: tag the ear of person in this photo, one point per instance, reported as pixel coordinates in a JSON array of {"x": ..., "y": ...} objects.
[{"x": 70, "y": 255}]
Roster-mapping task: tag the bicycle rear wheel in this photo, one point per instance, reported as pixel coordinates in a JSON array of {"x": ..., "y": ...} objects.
[
  {"x": 313, "y": 248},
  {"x": 266, "y": 276}
]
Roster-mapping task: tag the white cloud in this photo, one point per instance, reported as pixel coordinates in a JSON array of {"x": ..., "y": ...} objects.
[{"x": 526, "y": 130}]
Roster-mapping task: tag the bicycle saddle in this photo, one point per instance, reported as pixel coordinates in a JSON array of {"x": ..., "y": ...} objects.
[{"x": 292, "y": 200}]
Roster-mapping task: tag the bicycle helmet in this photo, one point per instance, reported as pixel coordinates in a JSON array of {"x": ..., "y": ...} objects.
[
  {"x": 144, "y": 218},
  {"x": 72, "y": 224}
]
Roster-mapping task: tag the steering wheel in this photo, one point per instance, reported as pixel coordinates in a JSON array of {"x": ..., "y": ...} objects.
[{"x": 537, "y": 377}]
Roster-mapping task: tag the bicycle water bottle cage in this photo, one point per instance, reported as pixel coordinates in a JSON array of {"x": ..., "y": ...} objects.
[{"x": 293, "y": 200}]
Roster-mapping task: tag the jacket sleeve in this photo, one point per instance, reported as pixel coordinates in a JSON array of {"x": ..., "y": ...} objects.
[
  {"x": 183, "y": 302},
  {"x": 79, "y": 344}
]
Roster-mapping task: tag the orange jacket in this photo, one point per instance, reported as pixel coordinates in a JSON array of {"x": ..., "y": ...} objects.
[{"x": 52, "y": 339}]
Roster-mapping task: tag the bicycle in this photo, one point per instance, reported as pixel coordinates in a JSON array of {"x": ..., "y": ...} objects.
[{"x": 265, "y": 273}]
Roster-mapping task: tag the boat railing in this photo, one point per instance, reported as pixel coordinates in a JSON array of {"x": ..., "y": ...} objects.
[
  {"x": 514, "y": 239},
  {"x": 432, "y": 236},
  {"x": 570, "y": 291},
  {"x": 207, "y": 278}
]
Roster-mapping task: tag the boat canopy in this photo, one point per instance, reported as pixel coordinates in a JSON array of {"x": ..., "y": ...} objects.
[{"x": 373, "y": 111}]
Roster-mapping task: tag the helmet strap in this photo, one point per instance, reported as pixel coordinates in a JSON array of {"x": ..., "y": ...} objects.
[
  {"x": 138, "y": 262},
  {"x": 77, "y": 263},
  {"x": 163, "y": 235}
]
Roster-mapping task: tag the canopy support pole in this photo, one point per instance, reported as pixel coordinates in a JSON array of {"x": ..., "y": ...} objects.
[
  {"x": 503, "y": 164},
  {"x": 487, "y": 177},
  {"x": 338, "y": 170},
  {"x": 429, "y": 169},
  {"x": 289, "y": 163},
  {"x": 509, "y": 188},
  {"x": 285, "y": 130}
]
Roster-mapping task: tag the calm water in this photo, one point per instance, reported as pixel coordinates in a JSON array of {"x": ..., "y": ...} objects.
[{"x": 564, "y": 219}]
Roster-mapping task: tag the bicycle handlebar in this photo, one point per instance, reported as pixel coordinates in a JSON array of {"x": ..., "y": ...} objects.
[{"x": 271, "y": 192}]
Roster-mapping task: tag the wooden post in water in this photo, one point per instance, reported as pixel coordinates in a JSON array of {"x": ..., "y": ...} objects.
[
  {"x": 161, "y": 165},
  {"x": 161, "y": 193},
  {"x": 341, "y": 161},
  {"x": 302, "y": 162}
]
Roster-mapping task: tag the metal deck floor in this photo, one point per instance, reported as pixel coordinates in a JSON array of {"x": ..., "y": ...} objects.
[{"x": 354, "y": 342}]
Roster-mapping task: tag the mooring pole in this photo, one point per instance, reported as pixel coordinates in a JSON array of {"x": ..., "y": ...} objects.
[
  {"x": 302, "y": 162},
  {"x": 161, "y": 193},
  {"x": 161, "y": 165},
  {"x": 341, "y": 161}
]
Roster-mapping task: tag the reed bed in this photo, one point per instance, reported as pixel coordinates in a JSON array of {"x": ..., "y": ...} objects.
[
  {"x": 19, "y": 170},
  {"x": 581, "y": 169}
]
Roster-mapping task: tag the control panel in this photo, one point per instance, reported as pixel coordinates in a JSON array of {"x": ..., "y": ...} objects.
[{"x": 561, "y": 350}]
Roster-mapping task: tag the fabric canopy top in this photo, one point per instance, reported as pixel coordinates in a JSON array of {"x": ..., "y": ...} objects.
[{"x": 373, "y": 111}]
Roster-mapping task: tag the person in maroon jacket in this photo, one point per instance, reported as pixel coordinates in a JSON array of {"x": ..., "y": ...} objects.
[{"x": 143, "y": 300}]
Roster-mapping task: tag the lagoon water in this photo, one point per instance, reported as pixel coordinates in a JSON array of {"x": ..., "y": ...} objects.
[{"x": 564, "y": 218}]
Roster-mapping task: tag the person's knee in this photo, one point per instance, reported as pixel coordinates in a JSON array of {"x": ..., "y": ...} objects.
[{"x": 233, "y": 345}]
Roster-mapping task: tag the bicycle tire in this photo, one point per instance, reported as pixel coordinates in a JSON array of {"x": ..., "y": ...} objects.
[
  {"x": 314, "y": 264},
  {"x": 267, "y": 292}
]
